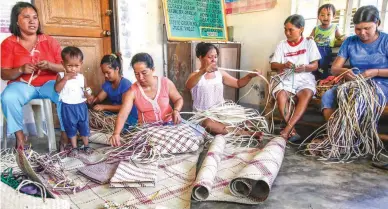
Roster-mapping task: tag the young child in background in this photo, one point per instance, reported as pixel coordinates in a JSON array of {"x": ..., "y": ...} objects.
[
  {"x": 71, "y": 85},
  {"x": 325, "y": 36}
]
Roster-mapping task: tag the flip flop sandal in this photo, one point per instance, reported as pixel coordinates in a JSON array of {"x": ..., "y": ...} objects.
[
  {"x": 87, "y": 150},
  {"x": 73, "y": 152},
  {"x": 294, "y": 137},
  {"x": 382, "y": 165}
]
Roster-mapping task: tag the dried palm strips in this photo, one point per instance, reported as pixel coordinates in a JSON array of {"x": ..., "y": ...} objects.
[
  {"x": 48, "y": 164},
  {"x": 237, "y": 119},
  {"x": 103, "y": 123},
  {"x": 351, "y": 131}
]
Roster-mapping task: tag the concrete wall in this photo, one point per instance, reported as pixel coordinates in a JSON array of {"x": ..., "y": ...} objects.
[
  {"x": 259, "y": 33},
  {"x": 140, "y": 30}
]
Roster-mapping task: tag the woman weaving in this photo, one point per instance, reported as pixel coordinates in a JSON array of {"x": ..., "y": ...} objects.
[
  {"x": 151, "y": 95},
  {"x": 207, "y": 86},
  {"x": 367, "y": 52}
]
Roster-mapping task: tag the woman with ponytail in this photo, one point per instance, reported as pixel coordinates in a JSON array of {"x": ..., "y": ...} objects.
[{"x": 114, "y": 87}]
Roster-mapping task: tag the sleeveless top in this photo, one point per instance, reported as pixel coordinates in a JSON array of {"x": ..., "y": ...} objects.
[
  {"x": 208, "y": 92},
  {"x": 325, "y": 37},
  {"x": 153, "y": 110},
  {"x": 73, "y": 91}
]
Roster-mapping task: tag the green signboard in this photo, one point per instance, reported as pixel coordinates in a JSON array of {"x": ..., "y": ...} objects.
[{"x": 188, "y": 20}]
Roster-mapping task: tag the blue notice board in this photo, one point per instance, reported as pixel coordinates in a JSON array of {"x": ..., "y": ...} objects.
[{"x": 189, "y": 20}]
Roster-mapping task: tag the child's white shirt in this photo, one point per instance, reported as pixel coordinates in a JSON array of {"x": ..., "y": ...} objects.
[{"x": 73, "y": 91}]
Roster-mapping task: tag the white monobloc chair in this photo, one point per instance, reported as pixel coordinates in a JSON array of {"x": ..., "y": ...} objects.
[{"x": 40, "y": 107}]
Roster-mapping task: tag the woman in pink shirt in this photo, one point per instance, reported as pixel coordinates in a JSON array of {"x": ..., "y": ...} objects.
[{"x": 151, "y": 96}]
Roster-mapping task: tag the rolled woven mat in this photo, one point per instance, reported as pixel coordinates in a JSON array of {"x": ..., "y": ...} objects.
[
  {"x": 205, "y": 177},
  {"x": 238, "y": 174},
  {"x": 255, "y": 180}
]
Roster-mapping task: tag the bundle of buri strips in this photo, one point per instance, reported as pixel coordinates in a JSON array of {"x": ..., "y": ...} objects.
[
  {"x": 351, "y": 131},
  {"x": 237, "y": 119}
]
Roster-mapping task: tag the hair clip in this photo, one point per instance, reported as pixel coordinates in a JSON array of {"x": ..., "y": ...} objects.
[{"x": 113, "y": 55}]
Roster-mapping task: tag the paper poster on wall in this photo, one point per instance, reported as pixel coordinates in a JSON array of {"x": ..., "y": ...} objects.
[
  {"x": 244, "y": 6},
  {"x": 188, "y": 20},
  {"x": 5, "y": 14}
]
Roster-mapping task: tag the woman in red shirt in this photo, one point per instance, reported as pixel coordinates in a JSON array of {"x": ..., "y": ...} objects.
[{"x": 30, "y": 61}]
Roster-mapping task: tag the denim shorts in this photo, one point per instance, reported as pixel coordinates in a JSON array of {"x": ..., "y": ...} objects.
[{"x": 329, "y": 98}]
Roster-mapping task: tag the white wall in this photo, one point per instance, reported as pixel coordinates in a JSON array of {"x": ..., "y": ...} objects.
[
  {"x": 259, "y": 33},
  {"x": 140, "y": 30},
  {"x": 28, "y": 115}
]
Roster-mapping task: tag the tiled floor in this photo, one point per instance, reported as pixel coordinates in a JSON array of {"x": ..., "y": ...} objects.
[{"x": 304, "y": 182}]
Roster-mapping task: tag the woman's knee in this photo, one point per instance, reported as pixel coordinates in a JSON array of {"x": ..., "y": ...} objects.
[
  {"x": 214, "y": 127},
  {"x": 281, "y": 96},
  {"x": 8, "y": 97},
  {"x": 305, "y": 94},
  {"x": 48, "y": 91},
  {"x": 383, "y": 93},
  {"x": 206, "y": 123},
  {"x": 328, "y": 99}
]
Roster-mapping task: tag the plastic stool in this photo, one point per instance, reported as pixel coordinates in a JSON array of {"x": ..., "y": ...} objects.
[{"x": 39, "y": 107}]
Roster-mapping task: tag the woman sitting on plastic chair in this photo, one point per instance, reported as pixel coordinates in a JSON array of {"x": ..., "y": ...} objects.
[{"x": 31, "y": 61}]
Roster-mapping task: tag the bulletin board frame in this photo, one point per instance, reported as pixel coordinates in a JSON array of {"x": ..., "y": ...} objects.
[{"x": 200, "y": 37}]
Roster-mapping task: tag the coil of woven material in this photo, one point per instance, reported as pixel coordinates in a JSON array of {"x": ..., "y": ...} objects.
[{"x": 244, "y": 175}]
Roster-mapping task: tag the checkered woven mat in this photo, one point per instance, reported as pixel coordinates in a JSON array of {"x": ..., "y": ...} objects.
[{"x": 173, "y": 188}]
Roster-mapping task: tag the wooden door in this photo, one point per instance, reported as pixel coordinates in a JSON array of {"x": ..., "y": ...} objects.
[
  {"x": 81, "y": 24},
  {"x": 179, "y": 68}
]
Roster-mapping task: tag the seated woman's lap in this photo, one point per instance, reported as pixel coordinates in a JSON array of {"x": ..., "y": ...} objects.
[
  {"x": 294, "y": 88},
  {"x": 294, "y": 93},
  {"x": 329, "y": 98},
  {"x": 18, "y": 94},
  {"x": 384, "y": 89},
  {"x": 131, "y": 121}
]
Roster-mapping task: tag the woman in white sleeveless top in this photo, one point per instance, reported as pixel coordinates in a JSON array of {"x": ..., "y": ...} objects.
[{"x": 207, "y": 84}]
